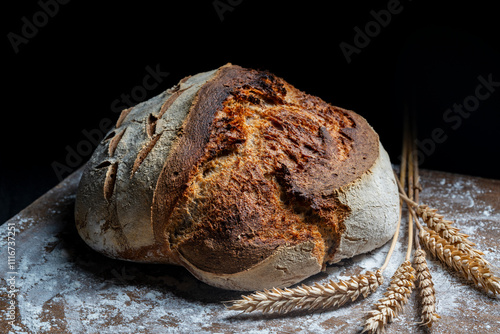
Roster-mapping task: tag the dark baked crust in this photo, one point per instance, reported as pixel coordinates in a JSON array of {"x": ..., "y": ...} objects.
[{"x": 257, "y": 166}]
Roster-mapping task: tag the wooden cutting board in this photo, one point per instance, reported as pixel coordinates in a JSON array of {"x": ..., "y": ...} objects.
[{"x": 56, "y": 284}]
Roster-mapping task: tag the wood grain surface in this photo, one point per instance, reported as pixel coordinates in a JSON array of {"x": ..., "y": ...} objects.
[{"x": 60, "y": 285}]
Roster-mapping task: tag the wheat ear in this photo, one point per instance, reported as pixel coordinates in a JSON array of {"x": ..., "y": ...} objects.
[
  {"x": 426, "y": 287},
  {"x": 396, "y": 296},
  {"x": 471, "y": 268},
  {"x": 444, "y": 228},
  {"x": 331, "y": 294},
  {"x": 447, "y": 231}
]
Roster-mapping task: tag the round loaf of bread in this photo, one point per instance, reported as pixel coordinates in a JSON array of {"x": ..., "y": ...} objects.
[{"x": 242, "y": 179}]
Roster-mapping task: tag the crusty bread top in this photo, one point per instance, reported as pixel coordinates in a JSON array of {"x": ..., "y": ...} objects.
[{"x": 257, "y": 166}]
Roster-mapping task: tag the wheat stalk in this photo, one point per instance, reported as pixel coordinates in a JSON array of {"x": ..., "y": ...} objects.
[
  {"x": 388, "y": 307},
  {"x": 424, "y": 278},
  {"x": 426, "y": 287},
  {"x": 471, "y": 268},
  {"x": 331, "y": 294},
  {"x": 402, "y": 282}
]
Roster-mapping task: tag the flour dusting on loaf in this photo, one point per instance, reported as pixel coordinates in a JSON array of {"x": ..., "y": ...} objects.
[{"x": 241, "y": 178}]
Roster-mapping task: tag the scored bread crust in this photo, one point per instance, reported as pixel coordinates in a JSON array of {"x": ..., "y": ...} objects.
[
  {"x": 113, "y": 204},
  {"x": 241, "y": 178}
]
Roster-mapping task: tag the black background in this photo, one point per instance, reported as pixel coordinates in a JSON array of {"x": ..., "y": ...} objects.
[{"x": 65, "y": 78}]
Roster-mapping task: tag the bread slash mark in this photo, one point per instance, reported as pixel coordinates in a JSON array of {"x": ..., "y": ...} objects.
[
  {"x": 102, "y": 165},
  {"x": 122, "y": 117},
  {"x": 108, "y": 136},
  {"x": 168, "y": 103},
  {"x": 109, "y": 181},
  {"x": 113, "y": 143},
  {"x": 143, "y": 153},
  {"x": 151, "y": 125}
]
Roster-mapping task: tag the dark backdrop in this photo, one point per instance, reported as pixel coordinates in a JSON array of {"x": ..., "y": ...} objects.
[{"x": 71, "y": 64}]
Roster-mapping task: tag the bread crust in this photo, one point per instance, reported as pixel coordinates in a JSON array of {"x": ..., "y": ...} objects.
[
  {"x": 286, "y": 266},
  {"x": 231, "y": 174},
  {"x": 371, "y": 198}
]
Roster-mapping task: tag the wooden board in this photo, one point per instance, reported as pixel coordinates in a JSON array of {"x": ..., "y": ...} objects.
[{"x": 60, "y": 285}]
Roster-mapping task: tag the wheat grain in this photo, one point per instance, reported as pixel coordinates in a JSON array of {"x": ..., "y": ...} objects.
[
  {"x": 471, "y": 268},
  {"x": 426, "y": 287},
  {"x": 331, "y": 294},
  {"x": 396, "y": 296}
]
